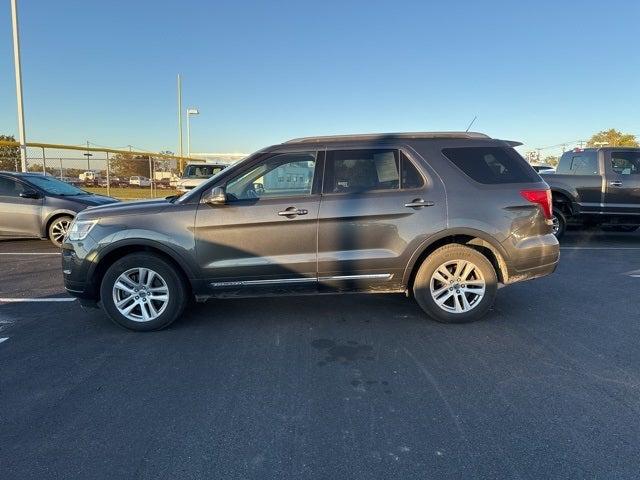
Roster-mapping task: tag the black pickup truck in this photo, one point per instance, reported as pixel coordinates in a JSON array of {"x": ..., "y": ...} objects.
[{"x": 597, "y": 187}]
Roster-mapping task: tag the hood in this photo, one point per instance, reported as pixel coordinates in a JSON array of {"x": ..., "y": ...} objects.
[
  {"x": 140, "y": 207},
  {"x": 93, "y": 200}
]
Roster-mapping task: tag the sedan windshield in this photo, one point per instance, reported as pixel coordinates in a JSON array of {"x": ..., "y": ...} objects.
[{"x": 54, "y": 186}]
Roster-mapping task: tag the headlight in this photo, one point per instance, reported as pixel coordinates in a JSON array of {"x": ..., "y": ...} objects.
[{"x": 80, "y": 229}]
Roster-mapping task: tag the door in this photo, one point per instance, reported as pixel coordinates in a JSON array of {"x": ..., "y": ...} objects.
[
  {"x": 19, "y": 216},
  {"x": 377, "y": 206},
  {"x": 585, "y": 167},
  {"x": 623, "y": 182},
  {"x": 265, "y": 234}
]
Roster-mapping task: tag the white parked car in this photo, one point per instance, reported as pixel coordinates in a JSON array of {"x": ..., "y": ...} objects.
[
  {"x": 140, "y": 181},
  {"x": 196, "y": 173}
]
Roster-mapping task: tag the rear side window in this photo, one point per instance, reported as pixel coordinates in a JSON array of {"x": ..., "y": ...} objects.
[
  {"x": 492, "y": 165},
  {"x": 10, "y": 188},
  {"x": 356, "y": 171},
  {"x": 625, "y": 163}
]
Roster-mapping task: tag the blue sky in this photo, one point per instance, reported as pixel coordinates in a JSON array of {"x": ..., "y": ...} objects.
[{"x": 262, "y": 72}]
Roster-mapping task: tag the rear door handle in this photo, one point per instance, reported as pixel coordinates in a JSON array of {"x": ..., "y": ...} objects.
[
  {"x": 293, "y": 212},
  {"x": 615, "y": 183},
  {"x": 419, "y": 203}
]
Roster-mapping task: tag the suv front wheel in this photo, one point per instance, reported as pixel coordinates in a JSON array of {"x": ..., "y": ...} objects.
[
  {"x": 143, "y": 292},
  {"x": 455, "y": 284}
]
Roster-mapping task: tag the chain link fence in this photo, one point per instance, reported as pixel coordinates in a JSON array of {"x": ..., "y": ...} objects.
[{"x": 125, "y": 174}]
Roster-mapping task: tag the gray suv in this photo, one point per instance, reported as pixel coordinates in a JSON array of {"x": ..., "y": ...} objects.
[
  {"x": 35, "y": 205},
  {"x": 442, "y": 217}
]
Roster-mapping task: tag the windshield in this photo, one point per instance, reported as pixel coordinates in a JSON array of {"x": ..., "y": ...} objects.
[
  {"x": 201, "y": 171},
  {"x": 55, "y": 187}
]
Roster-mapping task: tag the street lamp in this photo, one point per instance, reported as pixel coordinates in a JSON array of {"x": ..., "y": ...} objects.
[{"x": 190, "y": 111}]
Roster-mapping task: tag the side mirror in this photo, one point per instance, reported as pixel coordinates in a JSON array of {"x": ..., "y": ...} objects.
[
  {"x": 29, "y": 194},
  {"x": 216, "y": 196}
]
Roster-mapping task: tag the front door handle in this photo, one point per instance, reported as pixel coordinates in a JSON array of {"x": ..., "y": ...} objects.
[
  {"x": 615, "y": 183},
  {"x": 293, "y": 212},
  {"x": 419, "y": 203}
]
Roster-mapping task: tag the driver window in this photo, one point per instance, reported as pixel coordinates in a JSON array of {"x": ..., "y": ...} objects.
[{"x": 283, "y": 175}]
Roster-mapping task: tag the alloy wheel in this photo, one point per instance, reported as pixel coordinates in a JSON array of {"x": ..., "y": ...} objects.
[
  {"x": 140, "y": 294},
  {"x": 555, "y": 228},
  {"x": 59, "y": 230},
  {"x": 457, "y": 286}
]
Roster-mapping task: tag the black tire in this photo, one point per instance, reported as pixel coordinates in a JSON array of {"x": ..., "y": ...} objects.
[
  {"x": 175, "y": 284},
  {"x": 621, "y": 228},
  {"x": 561, "y": 226},
  {"x": 452, "y": 252},
  {"x": 58, "y": 228}
]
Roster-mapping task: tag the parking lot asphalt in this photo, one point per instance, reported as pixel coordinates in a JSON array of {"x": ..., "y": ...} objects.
[{"x": 335, "y": 387}]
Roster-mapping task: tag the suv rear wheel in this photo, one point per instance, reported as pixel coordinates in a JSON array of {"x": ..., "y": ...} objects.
[
  {"x": 455, "y": 284},
  {"x": 143, "y": 292}
]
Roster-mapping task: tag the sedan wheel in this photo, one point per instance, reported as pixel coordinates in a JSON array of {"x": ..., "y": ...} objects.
[{"x": 58, "y": 230}]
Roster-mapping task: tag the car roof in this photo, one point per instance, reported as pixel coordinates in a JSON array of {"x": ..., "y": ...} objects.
[{"x": 389, "y": 136}]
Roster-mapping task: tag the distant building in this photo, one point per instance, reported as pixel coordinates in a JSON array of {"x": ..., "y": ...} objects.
[{"x": 224, "y": 158}]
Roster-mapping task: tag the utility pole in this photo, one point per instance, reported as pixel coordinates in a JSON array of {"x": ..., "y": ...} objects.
[
  {"x": 18, "y": 67},
  {"x": 180, "y": 123}
]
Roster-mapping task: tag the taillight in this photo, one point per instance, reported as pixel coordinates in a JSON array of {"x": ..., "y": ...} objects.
[{"x": 541, "y": 197}]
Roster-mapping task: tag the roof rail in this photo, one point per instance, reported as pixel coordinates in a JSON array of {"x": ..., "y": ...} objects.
[{"x": 383, "y": 136}]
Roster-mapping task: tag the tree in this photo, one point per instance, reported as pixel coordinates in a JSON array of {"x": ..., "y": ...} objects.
[
  {"x": 551, "y": 160},
  {"x": 126, "y": 165},
  {"x": 612, "y": 138},
  {"x": 9, "y": 156}
]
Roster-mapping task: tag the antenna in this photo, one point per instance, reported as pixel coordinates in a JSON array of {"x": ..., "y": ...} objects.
[{"x": 474, "y": 119}]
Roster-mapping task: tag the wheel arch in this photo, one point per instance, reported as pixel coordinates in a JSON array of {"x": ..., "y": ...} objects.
[
  {"x": 120, "y": 249},
  {"x": 563, "y": 199},
  {"x": 52, "y": 217},
  {"x": 475, "y": 239}
]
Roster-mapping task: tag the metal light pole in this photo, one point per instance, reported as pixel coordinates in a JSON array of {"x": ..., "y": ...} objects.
[
  {"x": 190, "y": 111},
  {"x": 18, "y": 68},
  {"x": 180, "y": 123}
]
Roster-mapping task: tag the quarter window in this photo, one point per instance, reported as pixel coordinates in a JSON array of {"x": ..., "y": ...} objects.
[
  {"x": 357, "y": 171},
  {"x": 411, "y": 178},
  {"x": 282, "y": 175},
  {"x": 492, "y": 165}
]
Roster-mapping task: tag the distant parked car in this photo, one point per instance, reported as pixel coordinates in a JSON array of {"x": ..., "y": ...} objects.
[
  {"x": 196, "y": 173},
  {"x": 113, "y": 182},
  {"x": 139, "y": 181},
  {"x": 34, "y": 205},
  {"x": 89, "y": 176}
]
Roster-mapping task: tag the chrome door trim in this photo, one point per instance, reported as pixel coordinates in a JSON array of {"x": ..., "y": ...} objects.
[
  {"x": 274, "y": 281},
  {"x": 278, "y": 281},
  {"x": 373, "y": 276}
]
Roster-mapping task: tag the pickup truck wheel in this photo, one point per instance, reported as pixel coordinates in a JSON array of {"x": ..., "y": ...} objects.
[
  {"x": 58, "y": 229},
  {"x": 559, "y": 222},
  {"x": 143, "y": 292},
  {"x": 455, "y": 284}
]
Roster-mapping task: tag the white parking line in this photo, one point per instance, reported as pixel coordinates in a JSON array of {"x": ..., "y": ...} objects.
[
  {"x": 3, "y": 339},
  {"x": 40, "y": 300},
  {"x": 599, "y": 248},
  {"x": 29, "y": 253}
]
